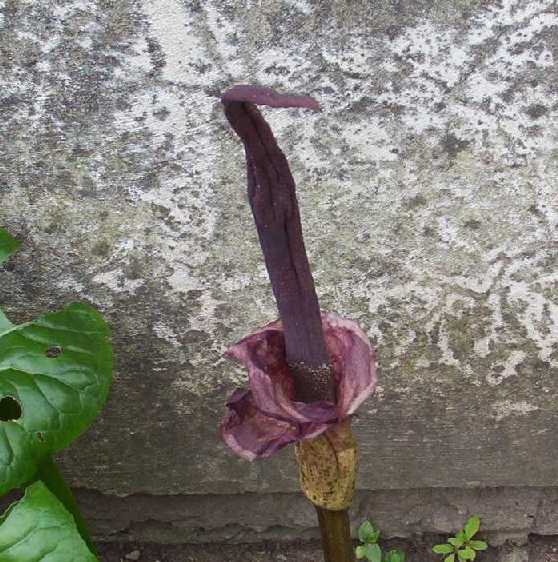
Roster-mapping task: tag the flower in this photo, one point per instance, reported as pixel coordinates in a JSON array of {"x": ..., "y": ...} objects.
[{"x": 266, "y": 417}]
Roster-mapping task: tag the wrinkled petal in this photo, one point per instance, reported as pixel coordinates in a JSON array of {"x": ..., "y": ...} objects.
[
  {"x": 353, "y": 360},
  {"x": 267, "y": 417},
  {"x": 263, "y": 355},
  {"x": 250, "y": 433}
]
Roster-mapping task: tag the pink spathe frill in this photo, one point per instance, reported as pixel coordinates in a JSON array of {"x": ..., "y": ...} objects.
[{"x": 265, "y": 418}]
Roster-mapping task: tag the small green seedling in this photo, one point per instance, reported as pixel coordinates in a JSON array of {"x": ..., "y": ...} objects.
[
  {"x": 368, "y": 535},
  {"x": 462, "y": 546}
]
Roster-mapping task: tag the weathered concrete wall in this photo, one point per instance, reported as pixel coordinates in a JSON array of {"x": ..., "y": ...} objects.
[
  {"x": 508, "y": 514},
  {"x": 428, "y": 188}
]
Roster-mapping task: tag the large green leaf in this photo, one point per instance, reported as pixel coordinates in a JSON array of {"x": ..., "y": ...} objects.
[
  {"x": 8, "y": 245},
  {"x": 5, "y": 324},
  {"x": 55, "y": 374},
  {"x": 39, "y": 529}
]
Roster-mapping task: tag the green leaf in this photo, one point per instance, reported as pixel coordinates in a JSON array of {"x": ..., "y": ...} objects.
[
  {"x": 360, "y": 552},
  {"x": 471, "y": 527},
  {"x": 395, "y": 556},
  {"x": 466, "y": 554},
  {"x": 458, "y": 540},
  {"x": 450, "y": 558},
  {"x": 5, "y": 324},
  {"x": 8, "y": 245},
  {"x": 368, "y": 532},
  {"x": 49, "y": 474},
  {"x": 442, "y": 548},
  {"x": 373, "y": 552},
  {"x": 56, "y": 371},
  {"x": 39, "y": 528},
  {"x": 478, "y": 545}
]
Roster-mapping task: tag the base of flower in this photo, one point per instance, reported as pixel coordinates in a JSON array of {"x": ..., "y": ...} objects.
[{"x": 327, "y": 467}]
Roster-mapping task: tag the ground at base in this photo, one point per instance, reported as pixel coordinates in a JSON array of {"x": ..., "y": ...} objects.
[{"x": 538, "y": 549}]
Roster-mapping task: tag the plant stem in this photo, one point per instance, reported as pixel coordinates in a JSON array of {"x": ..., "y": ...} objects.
[
  {"x": 336, "y": 535},
  {"x": 50, "y": 475}
]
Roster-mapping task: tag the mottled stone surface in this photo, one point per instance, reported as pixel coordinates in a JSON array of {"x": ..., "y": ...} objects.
[{"x": 428, "y": 188}]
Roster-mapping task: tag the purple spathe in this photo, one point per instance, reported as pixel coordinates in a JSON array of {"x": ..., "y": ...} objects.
[{"x": 264, "y": 418}]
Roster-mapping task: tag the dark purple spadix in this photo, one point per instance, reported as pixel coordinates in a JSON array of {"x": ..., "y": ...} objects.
[{"x": 272, "y": 195}]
